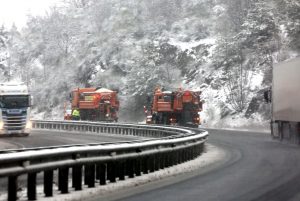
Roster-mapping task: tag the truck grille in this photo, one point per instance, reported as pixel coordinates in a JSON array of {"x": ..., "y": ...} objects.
[{"x": 14, "y": 121}]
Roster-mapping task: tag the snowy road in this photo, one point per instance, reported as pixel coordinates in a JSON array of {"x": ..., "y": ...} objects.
[{"x": 257, "y": 168}]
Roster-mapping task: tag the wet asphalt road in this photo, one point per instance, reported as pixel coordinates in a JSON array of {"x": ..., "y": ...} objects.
[
  {"x": 257, "y": 169},
  {"x": 43, "y": 138}
]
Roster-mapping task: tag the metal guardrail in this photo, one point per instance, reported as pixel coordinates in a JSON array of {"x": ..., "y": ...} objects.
[{"x": 99, "y": 162}]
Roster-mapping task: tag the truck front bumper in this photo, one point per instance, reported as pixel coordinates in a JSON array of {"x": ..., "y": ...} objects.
[{"x": 24, "y": 132}]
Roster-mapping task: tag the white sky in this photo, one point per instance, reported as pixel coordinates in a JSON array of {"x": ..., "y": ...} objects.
[{"x": 17, "y": 10}]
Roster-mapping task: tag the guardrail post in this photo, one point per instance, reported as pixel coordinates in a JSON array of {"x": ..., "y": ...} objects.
[
  {"x": 182, "y": 156},
  {"x": 169, "y": 158},
  {"x": 195, "y": 151},
  {"x": 151, "y": 163},
  {"x": 101, "y": 173},
  {"x": 200, "y": 149},
  {"x": 187, "y": 154},
  {"x": 176, "y": 157},
  {"x": 89, "y": 175},
  {"x": 137, "y": 166},
  {"x": 77, "y": 177},
  {"x": 63, "y": 175},
  {"x": 12, "y": 188},
  {"x": 121, "y": 170},
  {"x": 163, "y": 160},
  {"x": 130, "y": 168},
  {"x": 48, "y": 183},
  {"x": 86, "y": 175},
  {"x": 31, "y": 186},
  {"x": 192, "y": 153},
  {"x": 145, "y": 166},
  {"x": 111, "y": 171},
  {"x": 157, "y": 162}
]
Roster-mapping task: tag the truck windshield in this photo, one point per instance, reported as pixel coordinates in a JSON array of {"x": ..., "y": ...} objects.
[
  {"x": 14, "y": 101},
  {"x": 167, "y": 98}
]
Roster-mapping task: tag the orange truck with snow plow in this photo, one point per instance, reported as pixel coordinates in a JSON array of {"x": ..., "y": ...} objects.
[
  {"x": 94, "y": 104},
  {"x": 179, "y": 107}
]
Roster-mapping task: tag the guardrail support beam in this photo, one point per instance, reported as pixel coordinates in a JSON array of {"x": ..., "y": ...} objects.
[
  {"x": 151, "y": 163},
  {"x": 137, "y": 167},
  {"x": 121, "y": 170},
  {"x": 157, "y": 162},
  {"x": 48, "y": 183},
  {"x": 12, "y": 188},
  {"x": 89, "y": 175},
  {"x": 130, "y": 168},
  {"x": 63, "y": 176},
  {"x": 31, "y": 186},
  {"x": 101, "y": 172},
  {"x": 77, "y": 177},
  {"x": 145, "y": 166},
  {"x": 111, "y": 171}
]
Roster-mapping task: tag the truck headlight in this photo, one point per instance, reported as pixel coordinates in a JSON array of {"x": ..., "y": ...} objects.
[{"x": 28, "y": 125}]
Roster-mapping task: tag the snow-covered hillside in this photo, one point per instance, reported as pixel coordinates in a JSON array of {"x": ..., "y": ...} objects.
[{"x": 224, "y": 48}]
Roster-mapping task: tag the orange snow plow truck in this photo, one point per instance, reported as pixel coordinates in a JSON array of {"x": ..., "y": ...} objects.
[
  {"x": 180, "y": 107},
  {"x": 94, "y": 104}
]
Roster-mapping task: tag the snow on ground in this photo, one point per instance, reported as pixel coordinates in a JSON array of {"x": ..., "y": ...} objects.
[
  {"x": 211, "y": 156},
  {"x": 55, "y": 114},
  {"x": 239, "y": 122},
  {"x": 257, "y": 79},
  {"x": 219, "y": 9},
  {"x": 189, "y": 45},
  {"x": 215, "y": 101}
]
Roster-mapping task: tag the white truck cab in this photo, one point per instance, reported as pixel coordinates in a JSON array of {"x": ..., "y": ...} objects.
[{"x": 15, "y": 103}]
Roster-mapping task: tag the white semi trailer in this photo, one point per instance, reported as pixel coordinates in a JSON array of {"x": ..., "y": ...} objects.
[
  {"x": 285, "y": 93},
  {"x": 15, "y": 103}
]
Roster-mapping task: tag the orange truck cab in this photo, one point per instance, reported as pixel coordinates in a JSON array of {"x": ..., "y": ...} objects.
[{"x": 180, "y": 107}]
